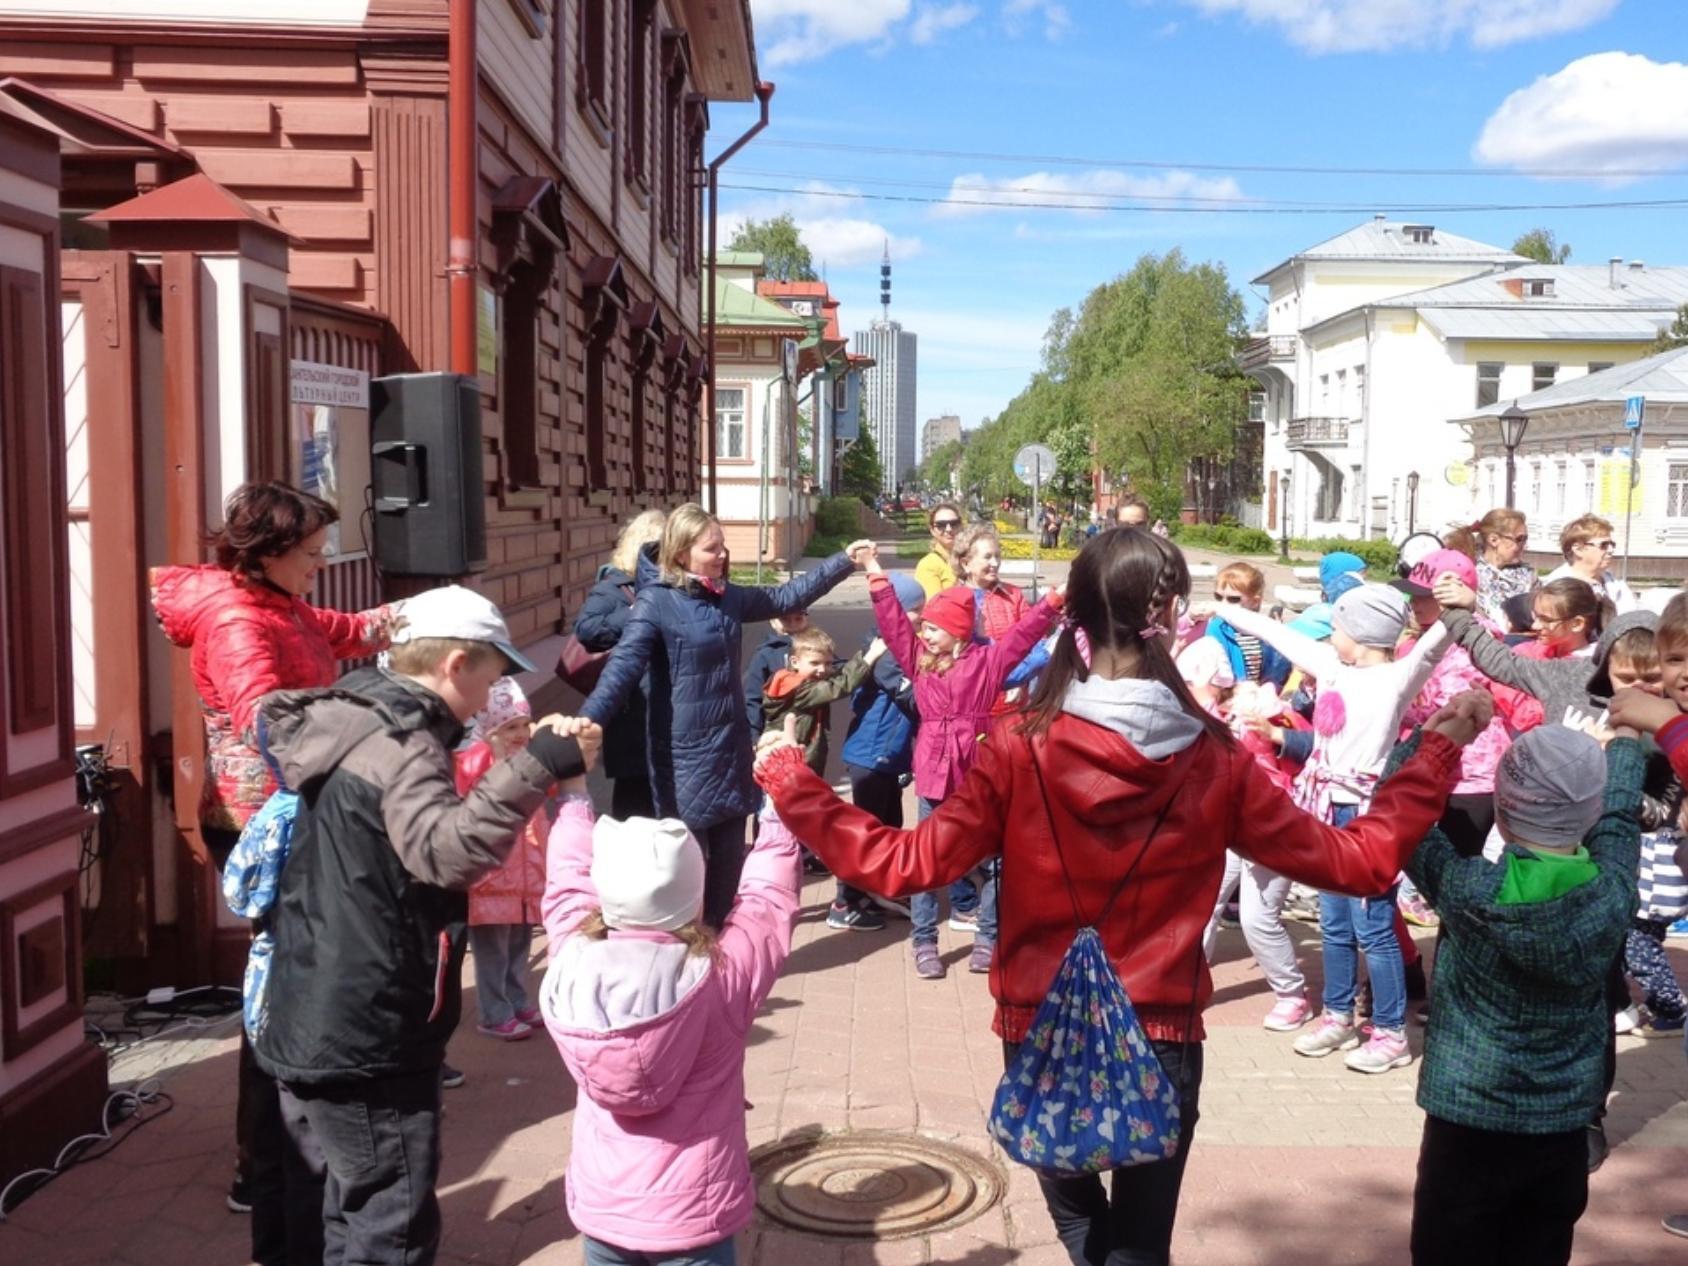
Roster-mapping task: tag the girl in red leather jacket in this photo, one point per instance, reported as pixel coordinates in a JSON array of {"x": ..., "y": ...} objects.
[{"x": 1109, "y": 740}]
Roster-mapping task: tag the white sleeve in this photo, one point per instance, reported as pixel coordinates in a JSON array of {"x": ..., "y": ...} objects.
[{"x": 1310, "y": 656}]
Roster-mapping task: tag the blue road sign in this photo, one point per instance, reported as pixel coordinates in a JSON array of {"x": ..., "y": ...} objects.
[{"x": 1634, "y": 409}]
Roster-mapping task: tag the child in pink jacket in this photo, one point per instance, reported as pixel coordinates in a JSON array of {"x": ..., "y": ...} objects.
[
  {"x": 650, "y": 1010},
  {"x": 956, "y": 682}
]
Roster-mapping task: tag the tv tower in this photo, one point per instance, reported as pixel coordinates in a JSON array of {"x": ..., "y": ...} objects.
[
  {"x": 885, "y": 282},
  {"x": 888, "y": 387}
]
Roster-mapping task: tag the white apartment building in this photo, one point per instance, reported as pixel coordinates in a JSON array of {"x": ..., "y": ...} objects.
[{"x": 888, "y": 396}]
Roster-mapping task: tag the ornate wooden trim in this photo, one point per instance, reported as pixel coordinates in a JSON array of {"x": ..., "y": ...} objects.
[{"x": 15, "y": 1036}]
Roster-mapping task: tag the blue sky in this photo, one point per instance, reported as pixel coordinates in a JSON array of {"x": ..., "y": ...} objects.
[{"x": 1506, "y": 88}]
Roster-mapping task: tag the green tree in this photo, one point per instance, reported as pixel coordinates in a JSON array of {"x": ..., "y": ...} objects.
[
  {"x": 859, "y": 472},
  {"x": 781, "y": 246},
  {"x": 937, "y": 470},
  {"x": 1675, "y": 335},
  {"x": 1543, "y": 246}
]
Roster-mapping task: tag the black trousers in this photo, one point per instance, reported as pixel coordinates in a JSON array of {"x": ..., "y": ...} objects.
[
  {"x": 881, "y": 795},
  {"x": 282, "y": 1166},
  {"x": 1490, "y": 1199},
  {"x": 1467, "y": 821},
  {"x": 381, "y": 1144},
  {"x": 631, "y": 798},
  {"x": 1130, "y": 1224},
  {"x": 723, "y": 863}
]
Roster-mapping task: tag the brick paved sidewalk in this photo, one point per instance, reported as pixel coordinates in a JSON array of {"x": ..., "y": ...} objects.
[{"x": 1295, "y": 1160}]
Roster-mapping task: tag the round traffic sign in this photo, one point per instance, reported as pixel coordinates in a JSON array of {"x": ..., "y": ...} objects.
[{"x": 1034, "y": 464}]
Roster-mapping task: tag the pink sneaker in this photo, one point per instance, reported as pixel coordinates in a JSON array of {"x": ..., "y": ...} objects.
[
  {"x": 1288, "y": 1015},
  {"x": 512, "y": 1030},
  {"x": 1387, "y": 1049},
  {"x": 530, "y": 1016}
]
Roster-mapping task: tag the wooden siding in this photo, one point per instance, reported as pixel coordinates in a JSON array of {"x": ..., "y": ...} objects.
[{"x": 520, "y": 64}]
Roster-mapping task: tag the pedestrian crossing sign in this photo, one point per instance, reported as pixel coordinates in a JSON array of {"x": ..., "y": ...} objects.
[{"x": 1634, "y": 408}]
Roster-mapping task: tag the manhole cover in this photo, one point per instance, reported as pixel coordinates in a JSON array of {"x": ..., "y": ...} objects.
[{"x": 872, "y": 1184}]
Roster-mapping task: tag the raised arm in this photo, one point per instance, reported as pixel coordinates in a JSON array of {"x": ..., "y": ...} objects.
[
  {"x": 352, "y": 636},
  {"x": 627, "y": 662},
  {"x": 894, "y": 625},
  {"x": 1005, "y": 654},
  {"x": 1493, "y": 658},
  {"x": 815, "y": 694},
  {"x": 1316, "y": 658},
  {"x": 963, "y": 831},
  {"x": 799, "y": 591},
  {"x": 756, "y": 937},
  {"x": 569, "y": 894},
  {"x": 1616, "y": 837},
  {"x": 1419, "y": 662}
]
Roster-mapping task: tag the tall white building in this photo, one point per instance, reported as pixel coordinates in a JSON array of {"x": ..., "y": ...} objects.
[{"x": 888, "y": 387}]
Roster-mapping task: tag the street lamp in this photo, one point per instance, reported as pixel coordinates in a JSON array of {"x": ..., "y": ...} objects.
[
  {"x": 1283, "y": 516},
  {"x": 1412, "y": 502},
  {"x": 1513, "y": 423}
]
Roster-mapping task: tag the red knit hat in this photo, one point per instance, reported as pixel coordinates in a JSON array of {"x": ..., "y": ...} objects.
[{"x": 951, "y": 611}]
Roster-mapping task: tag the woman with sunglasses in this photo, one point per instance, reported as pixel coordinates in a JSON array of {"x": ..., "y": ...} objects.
[
  {"x": 1587, "y": 545},
  {"x": 1502, "y": 572},
  {"x": 936, "y": 572}
]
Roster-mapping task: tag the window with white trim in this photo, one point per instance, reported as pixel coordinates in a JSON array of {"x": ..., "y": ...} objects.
[
  {"x": 1588, "y": 487},
  {"x": 1559, "y": 501},
  {"x": 1542, "y": 375},
  {"x": 1535, "y": 487},
  {"x": 1488, "y": 383},
  {"x": 1676, "y": 490},
  {"x": 729, "y": 423}
]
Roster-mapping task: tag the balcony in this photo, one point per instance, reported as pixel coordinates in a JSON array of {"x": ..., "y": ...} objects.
[
  {"x": 1316, "y": 433},
  {"x": 1264, "y": 349}
]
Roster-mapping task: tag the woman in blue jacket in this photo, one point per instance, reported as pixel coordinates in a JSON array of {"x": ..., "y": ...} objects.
[{"x": 685, "y": 630}]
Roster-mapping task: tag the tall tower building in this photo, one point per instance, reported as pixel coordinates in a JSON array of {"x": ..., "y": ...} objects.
[{"x": 888, "y": 388}]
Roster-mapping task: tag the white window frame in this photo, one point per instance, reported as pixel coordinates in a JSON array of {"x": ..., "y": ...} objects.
[
  {"x": 1676, "y": 490},
  {"x": 1500, "y": 370},
  {"x": 1591, "y": 484},
  {"x": 723, "y": 450},
  {"x": 1540, "y": 381}
]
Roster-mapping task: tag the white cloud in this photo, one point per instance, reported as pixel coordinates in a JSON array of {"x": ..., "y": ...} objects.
[
  {"x": 836, "y": 241},
  {"x": 1081, "y": 192},
  {"x": 934, "y": 20},
  {"x": 801, "y": 30},
  {"x": 1056, "y": 20},
  {"x": 1350, "y": 26},
  {"x": 1605, "y": 112}
]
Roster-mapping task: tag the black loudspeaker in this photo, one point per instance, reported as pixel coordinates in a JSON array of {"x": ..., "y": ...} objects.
[{"x": 425, "y": 465}]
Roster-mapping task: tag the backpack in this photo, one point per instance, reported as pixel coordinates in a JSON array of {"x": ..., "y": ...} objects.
[
  {"x": 1086, "y": 1092},
  {"x": 251, "y": 879}
]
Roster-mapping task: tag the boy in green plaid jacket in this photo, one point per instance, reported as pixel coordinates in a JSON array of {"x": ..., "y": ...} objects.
[{"x": 1513, "y": 1061}]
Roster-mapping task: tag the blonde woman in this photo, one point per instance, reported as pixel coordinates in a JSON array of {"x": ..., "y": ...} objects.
[
  {"x": 598, "y": 626},
  {"x": 685, "y": 631},
  {"x": 1587, "y": 545}
]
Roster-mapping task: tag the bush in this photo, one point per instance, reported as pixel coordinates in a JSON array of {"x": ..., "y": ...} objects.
[
  {"x": 1224, "y": 537},
  {"x": 1021, "y": 547},
  {"x": 1380, "y": 556},
  {"x": 836, "y": 516}
]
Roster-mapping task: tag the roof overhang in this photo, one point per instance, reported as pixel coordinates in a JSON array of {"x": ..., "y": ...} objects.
[{"x": 723, "y": 48}]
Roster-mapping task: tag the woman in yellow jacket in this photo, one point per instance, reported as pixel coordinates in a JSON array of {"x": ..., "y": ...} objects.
[{"x": 936, "y": 572}]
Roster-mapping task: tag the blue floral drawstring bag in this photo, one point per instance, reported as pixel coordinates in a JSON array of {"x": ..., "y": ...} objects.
[
  {"x": 1086, "y": 1092},
  {"x": 251, "y": 879}
]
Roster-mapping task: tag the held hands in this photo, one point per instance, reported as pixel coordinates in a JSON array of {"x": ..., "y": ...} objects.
[
  {"x": 773, "y": 740},
  {"x": 1635, "y": 709},
  {"x": 587, "y": 733},
  {"x": 861, "y": 552},
  {"x": 1451, "y": 591},
  {"x": 1463, "y": 717},
  {"x": 381, "y": 629},
  {"x": 875, "y": 649}
]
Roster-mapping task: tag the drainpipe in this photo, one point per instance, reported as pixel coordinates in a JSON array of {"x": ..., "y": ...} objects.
[
  {"x": 463, "y": 88},
  {"x": 764, "y": 93}
]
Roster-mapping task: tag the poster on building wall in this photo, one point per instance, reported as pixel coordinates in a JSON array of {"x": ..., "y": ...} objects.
[
  {"x": 1613, "y": 494},
  {"x": 324, "y": 399},
  {"x": 486, "y": 335}
]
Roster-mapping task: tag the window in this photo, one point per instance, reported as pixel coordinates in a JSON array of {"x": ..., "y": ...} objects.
[
  {"x": 532, "y": 16},
  {"x": 690, "y": 191},
  {"x": 604, "y": 291},
  {"x": 1535, "y": 487},
  {"x": 518, "y": 383},
  {"x": 1493, "y": 474},
  {"x": 1542, "y": 374},
  {"x": 1595, "y": 366},
  {"x": 639, "y": 92},
  {"x": 1564, "y": 476},
  {"x": 1357, "y": 489},
  {"x": 1488, "y": 383},
  {"x": 1328, "y": 505},
  {"x": 644, "y": 341},
  {"x": 729, "y": 424},
  {"x": 1324, "y": 394},
  {"x": 1420, "y": 234},
  {"x": 593, "y": 82},
  {"x": 1341, "y": 393},
  {"x": 1588, "y": 487},
  {"x": 673, "y": 149},
  {"x": 1538, "y": 288},
  {"x": 1360, "y": 392},
  {"x": 1256, "y": 405},
  {"x": 1676, "y": 491}
]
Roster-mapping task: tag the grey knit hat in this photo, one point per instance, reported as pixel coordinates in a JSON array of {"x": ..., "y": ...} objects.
[
  {"x": 1551, "y": 786},
  {"x": 1373, "y": 615}
]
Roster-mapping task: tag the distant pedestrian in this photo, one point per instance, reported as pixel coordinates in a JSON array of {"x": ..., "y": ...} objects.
[
  {"x": 1132, "y": 511},
  {"x": 651, "y": 1009},
  {"x": 599, "y": 626},
  {"x": 686, "y": 631},
  {"x": 936, "y": 570}
]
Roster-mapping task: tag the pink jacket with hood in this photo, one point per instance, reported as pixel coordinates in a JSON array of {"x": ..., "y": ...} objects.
[{"x": 654, "y": 1037}]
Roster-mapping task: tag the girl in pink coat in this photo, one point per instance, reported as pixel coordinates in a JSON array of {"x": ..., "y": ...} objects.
[{"x": 650, "y": 1010}]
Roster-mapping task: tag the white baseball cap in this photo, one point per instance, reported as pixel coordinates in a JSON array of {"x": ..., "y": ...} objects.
[{"x": 455, "y": 612}]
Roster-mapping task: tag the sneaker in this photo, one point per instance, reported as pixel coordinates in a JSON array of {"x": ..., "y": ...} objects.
[
  {"x": 512, "y": 1030},
  {"x": 849, "y": 918},
  {"x": 1302, "y": 909},
  {"x": 451, "y": 1078},
  {"x": 927, "y": 964},
  {"x": 1418, "y": 988},
  {"x": 1598, "y": 1148},
  {"x": 1230, "y": 916},
  {"x": 1627, "y": 1020},
  {"x": 1288, "y": 1015},
  {"x": 237, "y": 1200},
  {"x": 1657, "y": 1026},
  {"x": 1387, "y": 1049},
  {"x": 1676, "y": 1224},
  {"x": 1416, "y": 911},
  {"x": 964, "y": 921},
  {"x": 1333, "y": 1033},
  {"x": 890, "y": 905},
  {"x": 1678, "y": 929},
  {"x": 530, "y": 1016},
  {"x": 979, "y": 961}
]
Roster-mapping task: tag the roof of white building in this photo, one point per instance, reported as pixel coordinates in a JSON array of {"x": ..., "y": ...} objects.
[
  {"x": 1662, "y": 378},
  {"x": 1390, "y": 240},
  {"x": 1574, "y": 303}
]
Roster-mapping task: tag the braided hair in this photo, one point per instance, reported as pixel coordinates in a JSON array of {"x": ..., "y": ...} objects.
[{"x": 1121, "y": 592}]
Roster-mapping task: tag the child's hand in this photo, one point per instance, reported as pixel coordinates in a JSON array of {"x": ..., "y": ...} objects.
[
  {"x": 1451, "y": 591},
  {"x": 1260, "y": 725},
  {"x": 862, "y": 552},
  {"x": 1635, "y": 709},
  {"x": 1463, "y": 717},
  {"x": 875, "y": 649},
  {"x": 772, "y": 740},
  {"x": 1200, "y": 611},
  {"x": 584, "y": 731}
]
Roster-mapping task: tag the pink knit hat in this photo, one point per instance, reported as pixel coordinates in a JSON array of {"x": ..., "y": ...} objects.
[{"x": 504, "y": 704}]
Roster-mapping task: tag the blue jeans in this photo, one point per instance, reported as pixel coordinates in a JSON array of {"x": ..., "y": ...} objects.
[
  {"x": 720, "y": 1253},
  {"x": 1350, "y": 926},
  {"x": 924, "y": 907}
]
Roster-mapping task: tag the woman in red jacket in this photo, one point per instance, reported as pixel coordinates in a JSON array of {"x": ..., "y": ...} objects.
[
  {"x": 250, "y": 631},
  {"x": 1111, "y": 741}
]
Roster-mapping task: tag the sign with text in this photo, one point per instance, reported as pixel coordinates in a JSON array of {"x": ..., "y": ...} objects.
[
  {"x": 1614, "y": 491},
  {"x": 311, "y": 383}
]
